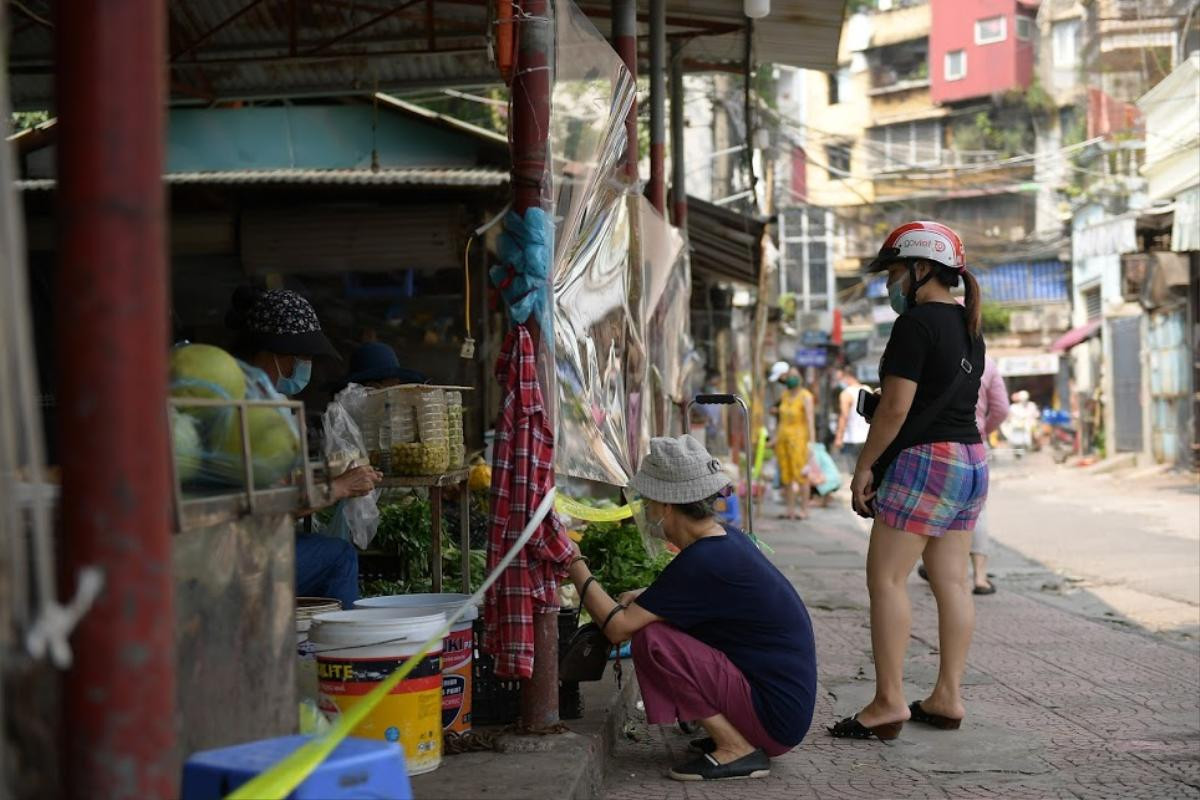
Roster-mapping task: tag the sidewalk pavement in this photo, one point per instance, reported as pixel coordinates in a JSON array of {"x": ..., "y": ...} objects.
[{"x": 1058, "y": 705}]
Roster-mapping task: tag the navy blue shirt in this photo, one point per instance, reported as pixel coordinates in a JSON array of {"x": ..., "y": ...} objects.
[{"x": 724, "y": 592}]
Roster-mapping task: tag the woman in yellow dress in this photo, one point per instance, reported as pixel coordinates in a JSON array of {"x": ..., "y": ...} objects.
[{"x": 791, "y": 443}]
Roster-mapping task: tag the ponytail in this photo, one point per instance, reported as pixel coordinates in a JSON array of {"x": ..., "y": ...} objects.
[{"x": 973, "y": 302}]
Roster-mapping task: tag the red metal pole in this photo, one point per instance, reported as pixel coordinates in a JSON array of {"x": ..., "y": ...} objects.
[
  {"x": 679, "y": 171},
  {"x": 111, "y": 332},
  {"x": 531, "y": 124},
  {"x": 624, "y": 40},
  {"x": 657, "y": 188}
]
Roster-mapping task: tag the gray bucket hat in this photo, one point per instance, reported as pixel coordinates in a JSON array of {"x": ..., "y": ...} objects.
[{"x": 679, "y": 471}]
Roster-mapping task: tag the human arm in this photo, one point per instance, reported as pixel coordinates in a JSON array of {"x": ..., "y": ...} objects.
[
  {"x": 894, "y": 404},
  {"x": 622, "y": 623},
  {"x": 845, "y": 409},
  {"x": 996, "y": 403},
  {"x": 354, "y": 482}
]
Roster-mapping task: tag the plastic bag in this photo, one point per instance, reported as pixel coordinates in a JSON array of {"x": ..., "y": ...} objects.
[
  {"x": 356, "y": 519},
  {"x": 207, "y": 440}
]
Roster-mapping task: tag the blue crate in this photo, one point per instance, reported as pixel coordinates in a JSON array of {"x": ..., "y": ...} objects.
[{"x": 357, "y": 769}]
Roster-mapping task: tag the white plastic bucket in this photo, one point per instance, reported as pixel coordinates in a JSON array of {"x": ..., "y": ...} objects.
[
  {"x": 457, "y": 649},
  {"x": 357, "y": 649},
  {"x": 306, "y": 662}
]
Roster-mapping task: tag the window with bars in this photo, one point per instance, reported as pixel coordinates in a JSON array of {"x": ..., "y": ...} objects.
[
  {"x": 1091, "y": 303},
  {"x": 837, "y": 160},
  {"x": 910, "y": 144}
]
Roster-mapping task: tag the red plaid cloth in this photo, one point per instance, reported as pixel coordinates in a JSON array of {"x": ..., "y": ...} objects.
[{"x": 522, "y": 473}]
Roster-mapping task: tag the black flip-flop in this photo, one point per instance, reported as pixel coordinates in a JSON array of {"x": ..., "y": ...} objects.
[
  {"x": 707, "y": 768},
  {"x": 989, "y": 589},
  {"x": 851, "y": 728},
  {"x": 924, "y": 573},
  {"x": 936, "y": 720}
]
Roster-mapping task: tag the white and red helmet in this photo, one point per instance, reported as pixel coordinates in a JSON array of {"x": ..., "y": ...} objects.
[{"x": 932, "y": 241}]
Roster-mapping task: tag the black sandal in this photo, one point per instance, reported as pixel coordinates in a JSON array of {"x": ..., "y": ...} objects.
[
  {"x": 707, "y": 768},
  {"x": 936, "y": 720},
  {"x": 989, "y": 589},
  {"x": 851, "y": 728}
]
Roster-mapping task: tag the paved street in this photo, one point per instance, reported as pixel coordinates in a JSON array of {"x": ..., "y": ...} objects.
[{"x": 1065, "y": 698}]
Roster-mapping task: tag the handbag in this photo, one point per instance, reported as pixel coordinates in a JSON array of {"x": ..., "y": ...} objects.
[
  {"x": 587, "y": 653},
  {"x": 913, "y": 427}
]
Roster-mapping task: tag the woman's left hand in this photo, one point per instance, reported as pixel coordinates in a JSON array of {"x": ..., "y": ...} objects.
[
  {"x": 863, "y": 492},
  {"x": 356, "y": 482}
]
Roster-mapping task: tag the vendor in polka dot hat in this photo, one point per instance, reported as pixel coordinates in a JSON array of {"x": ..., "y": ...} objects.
[{"x": 278, "y": 332}]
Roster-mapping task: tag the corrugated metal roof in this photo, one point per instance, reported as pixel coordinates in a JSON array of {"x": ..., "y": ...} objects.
[
  {"x": 724, "y": 244},
  {"x": 1033, "y": 282},
  {"x": 479, "y": 178},
  {"x": 242, "y": 49}
]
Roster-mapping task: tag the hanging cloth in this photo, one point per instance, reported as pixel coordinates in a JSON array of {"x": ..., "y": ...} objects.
[{"x": 522, "y": 473}]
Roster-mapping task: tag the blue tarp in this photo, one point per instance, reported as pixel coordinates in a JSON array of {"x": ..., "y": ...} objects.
[{"x": 1017, "y": 282}]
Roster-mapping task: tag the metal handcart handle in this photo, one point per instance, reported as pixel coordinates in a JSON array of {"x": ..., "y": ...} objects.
[{"x": 730, "y": 400}]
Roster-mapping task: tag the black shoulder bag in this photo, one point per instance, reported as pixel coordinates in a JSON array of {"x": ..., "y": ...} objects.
[{"x": 913, "y": 427}]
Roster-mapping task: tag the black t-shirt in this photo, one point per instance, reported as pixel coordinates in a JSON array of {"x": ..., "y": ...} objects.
[
  {"x": 927, "y": 346},
  {"x": 724, "y": 592}
]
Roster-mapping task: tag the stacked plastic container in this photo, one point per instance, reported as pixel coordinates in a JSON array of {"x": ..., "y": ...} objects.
[
  {"x": 419, "y": 441},
  {"x": 454, "y": 428}
]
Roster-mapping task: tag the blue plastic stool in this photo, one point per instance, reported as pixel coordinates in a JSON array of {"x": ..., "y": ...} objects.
[{"x": 358, "y": 768}]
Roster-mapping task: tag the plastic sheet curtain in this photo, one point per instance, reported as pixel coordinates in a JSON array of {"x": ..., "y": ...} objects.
[
  {"x": 591, "y": 284},
  {"x": 621, "y": 284}
]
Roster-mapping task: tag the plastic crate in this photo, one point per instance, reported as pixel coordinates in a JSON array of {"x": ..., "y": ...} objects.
[{"x": 496, "y": 701}]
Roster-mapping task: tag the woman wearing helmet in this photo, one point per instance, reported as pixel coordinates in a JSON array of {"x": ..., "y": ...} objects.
[{"x": 922, "y": 473}]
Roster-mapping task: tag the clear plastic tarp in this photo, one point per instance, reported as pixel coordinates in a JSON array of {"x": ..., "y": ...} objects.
[{"x": 621, "y": 283}]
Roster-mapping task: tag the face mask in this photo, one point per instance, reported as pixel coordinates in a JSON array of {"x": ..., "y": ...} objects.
[
  {"x": 792, "y": 383},
  {"x": 301, "y": 374},
  {"x": 896, "y": 298}
]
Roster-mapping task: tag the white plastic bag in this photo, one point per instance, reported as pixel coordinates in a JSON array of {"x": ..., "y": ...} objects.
[{"x": 357, "y": 519}]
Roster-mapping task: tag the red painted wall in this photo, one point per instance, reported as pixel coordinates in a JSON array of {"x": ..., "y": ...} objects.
[{"x": 996, "y": 67}]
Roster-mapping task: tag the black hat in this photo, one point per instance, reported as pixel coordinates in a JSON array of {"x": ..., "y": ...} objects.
[
  {"x": 278, "y": 321},
  {"x": 376, "y": 361}
]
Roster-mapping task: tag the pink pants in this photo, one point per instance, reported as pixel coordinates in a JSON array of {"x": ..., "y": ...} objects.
[{"x": 683, "y": 678}]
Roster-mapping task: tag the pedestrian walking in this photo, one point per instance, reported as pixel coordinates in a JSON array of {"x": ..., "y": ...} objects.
[
  {"x": 796, "y": 425},
  {"x": 1020, "y": 427},
  {"x": 922, "y": 474},
  {"x": 852, "y": 427},
  {"x": 990, "y": 411},
  {"x": 721, "y": 636}
]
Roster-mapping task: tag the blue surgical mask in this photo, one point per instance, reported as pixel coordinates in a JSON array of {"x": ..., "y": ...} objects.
[
  {"x": 294, "y": 385},
  {"x": 896, "y": 297}
]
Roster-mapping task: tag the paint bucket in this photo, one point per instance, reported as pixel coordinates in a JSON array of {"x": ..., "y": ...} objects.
[
  {"x": 356, "y": 650},
  {"x": 306, "y": 662},
  {"x": 457, "y": 649}
]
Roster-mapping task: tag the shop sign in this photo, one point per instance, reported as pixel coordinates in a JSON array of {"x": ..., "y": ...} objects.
[
  {"x": 1022, "y": 366},
  {"x": 812, "y": 357}
]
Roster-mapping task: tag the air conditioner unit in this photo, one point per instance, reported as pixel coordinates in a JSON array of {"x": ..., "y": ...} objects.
[
  {"x": 1056, "y": 319},
  {"x": 1025, "y": 322}
]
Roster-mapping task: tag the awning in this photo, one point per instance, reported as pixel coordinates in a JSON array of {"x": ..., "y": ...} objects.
[
  {"x": 725, "y": 245},
  {"x": 1076, "y": 336},
  {"x": 479, "y": 177}
]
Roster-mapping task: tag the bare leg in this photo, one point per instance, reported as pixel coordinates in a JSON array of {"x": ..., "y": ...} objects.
[
  {"x": 946, "y": 562},
  {"x": 979, "y": 564},
  {"x": 890, "y": 558},
  {"x": 803, "y": 490},
  {"x": 789, "y": 494},
  {"x": 731, "y": 745}
]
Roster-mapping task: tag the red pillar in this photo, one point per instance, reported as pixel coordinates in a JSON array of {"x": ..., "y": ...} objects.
[
  {"x": 531, "y": 123},
  {"x": 657, "y": 188},
  {"x": 112, "y": 335},
  {"x": 624, "y": 41}
]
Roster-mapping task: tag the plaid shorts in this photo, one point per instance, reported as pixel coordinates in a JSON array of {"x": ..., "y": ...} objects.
[{"x": 933, "y": 488}]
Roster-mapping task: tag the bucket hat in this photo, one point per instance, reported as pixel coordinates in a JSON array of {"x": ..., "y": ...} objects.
[
  {"x": 376, "y": 361},
  {"x": 278, "y": 321},
  {"x": 679, "y": 471}
]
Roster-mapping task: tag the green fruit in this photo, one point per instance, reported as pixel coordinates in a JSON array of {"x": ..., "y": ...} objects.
[
  {"x": 201, "y": 370},
  {"x": 186, "y": 444},
  {"x": 274, "y": 446}
]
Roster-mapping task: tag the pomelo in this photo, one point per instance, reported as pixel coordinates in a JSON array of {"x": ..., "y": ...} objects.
[
  {"x": 274, "y": 446},
  {"x": 186, "y": 445},
  {"x": 201, "y": 370}
]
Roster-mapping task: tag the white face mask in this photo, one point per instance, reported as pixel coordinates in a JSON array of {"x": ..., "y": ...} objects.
[{"x": 655, "y": 526}]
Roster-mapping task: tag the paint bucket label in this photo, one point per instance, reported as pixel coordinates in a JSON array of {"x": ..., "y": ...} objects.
[
  {"x": 457, "y": 649},
  {"x": 409, "y": 715}
]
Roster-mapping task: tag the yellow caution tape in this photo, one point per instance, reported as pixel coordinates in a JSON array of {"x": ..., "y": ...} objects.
[
  {"x": 760, "y": 452},
  {"x": 576, "y": 509},
  {"x": 278, "y": 781}
]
